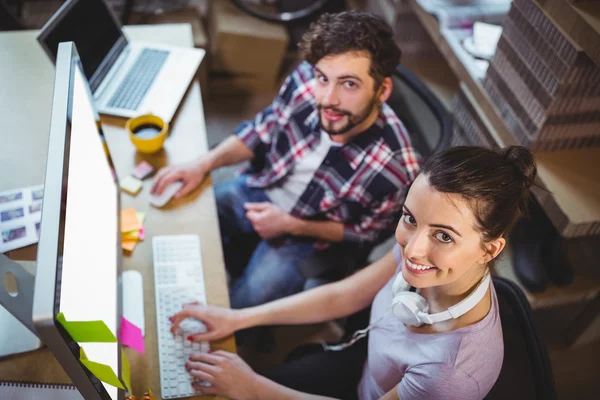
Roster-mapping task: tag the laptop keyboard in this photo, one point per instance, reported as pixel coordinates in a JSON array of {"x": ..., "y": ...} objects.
[{"x": 138, "y": 80}]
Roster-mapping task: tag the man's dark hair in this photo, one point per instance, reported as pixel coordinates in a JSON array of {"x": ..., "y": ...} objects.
[{"x": 349, "y": 31}]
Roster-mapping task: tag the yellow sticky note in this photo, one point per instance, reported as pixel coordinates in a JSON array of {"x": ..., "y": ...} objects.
[
  {"x": 101, "y": 371},
  {"x": 141, "y": 216},
  {"x": 131, "y": 235},
  {"x": 129, "y": 220},
  {"x": 87, "y": 331},
  {"x": 130, "y": 185},
  {"x": 125, "y": 370}
]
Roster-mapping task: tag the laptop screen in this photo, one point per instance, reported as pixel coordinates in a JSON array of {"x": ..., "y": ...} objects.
[{"x": 90, "y": 25}]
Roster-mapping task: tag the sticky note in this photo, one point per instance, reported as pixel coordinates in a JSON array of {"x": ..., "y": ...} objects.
[
  {"x": 129, "y": 220},
  {"x": 87, "y": 331},
  {"x": 142, "y": 170},
  {"x": 125, "y": 370},
  {"x": 130, "y": 185},
  {"x": 101, "y": 371},
  {"x": 142, "y": 233},
  {"x": 131, "y": 336},
  {"x": 141, "y": 216},
  {"x": 131, "y": 235},
  {"x": 128, "y": 245}
]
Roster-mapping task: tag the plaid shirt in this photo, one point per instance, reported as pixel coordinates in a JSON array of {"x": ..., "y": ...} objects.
[{"x": 362, "y": 184}]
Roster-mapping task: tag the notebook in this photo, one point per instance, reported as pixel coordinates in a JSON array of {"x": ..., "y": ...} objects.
[{"x": 30, "y": 390}]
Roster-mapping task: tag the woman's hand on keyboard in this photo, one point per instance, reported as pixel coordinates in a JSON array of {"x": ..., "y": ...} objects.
[
  {"x": 220, "y": 322},
  {"x": 227, "y": 373}
]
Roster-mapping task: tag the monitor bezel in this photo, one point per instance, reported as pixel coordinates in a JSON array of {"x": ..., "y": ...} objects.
[{"x": 47, "y": 280}]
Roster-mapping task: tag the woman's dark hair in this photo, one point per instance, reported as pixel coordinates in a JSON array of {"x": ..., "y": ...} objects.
[
  {"x": 495, "y": 184},
  {"x": 356, "y": 31}
]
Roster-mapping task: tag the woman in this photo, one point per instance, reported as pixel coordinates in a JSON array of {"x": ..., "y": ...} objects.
[{"x": 455, "y": 220}]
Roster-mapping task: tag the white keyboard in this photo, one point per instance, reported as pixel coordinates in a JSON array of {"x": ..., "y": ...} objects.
[{"x": 178, "y": 279}]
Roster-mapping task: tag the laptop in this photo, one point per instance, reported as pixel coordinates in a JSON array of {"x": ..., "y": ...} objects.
[{"x": 127, "y": 78}]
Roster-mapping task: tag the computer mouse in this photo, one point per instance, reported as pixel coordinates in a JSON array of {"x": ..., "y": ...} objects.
[
  {"x": 162, "y": 199},
  {"x": 192, "y": 326}
]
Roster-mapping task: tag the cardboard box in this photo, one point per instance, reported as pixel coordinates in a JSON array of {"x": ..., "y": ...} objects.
[{"x": 242, "y": 44}]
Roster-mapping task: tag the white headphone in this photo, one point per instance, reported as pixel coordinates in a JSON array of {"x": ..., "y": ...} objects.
[{"x": 412, "y": 309}]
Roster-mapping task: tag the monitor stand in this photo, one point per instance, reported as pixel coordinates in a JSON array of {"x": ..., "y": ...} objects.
[{"x": 16, "y": 306}]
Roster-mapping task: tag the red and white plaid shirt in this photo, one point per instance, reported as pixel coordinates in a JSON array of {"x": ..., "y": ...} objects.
[{"x": 362, "y": 184}]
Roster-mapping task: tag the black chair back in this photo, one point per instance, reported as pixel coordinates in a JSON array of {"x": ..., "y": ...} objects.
[
  {"x": 526, "y": 371},
  {"x": 425, "y": 117}
]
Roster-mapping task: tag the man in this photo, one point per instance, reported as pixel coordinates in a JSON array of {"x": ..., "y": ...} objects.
[{"x": 331, "y": 163}]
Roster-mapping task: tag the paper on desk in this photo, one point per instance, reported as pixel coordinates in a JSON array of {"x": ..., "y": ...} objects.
[
  {"x": 131, "y": 336},
  {"x": 20, "y": 214},
  {"x": 452, "y": 15},
  {"x": 125, "y": 370},
  {"x": 455, "y": 39},
  {"x": 87, "y": 331},
  {"x": 482, "y": 43},
  {"x": 130, "y": 220},
  {"x": 101, "y": 371}
]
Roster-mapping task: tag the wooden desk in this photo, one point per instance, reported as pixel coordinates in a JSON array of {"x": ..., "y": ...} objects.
[{"x": 26, "y": 85}]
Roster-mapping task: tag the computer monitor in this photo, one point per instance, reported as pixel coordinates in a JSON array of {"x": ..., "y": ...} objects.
[{"x": 79, "y": 251}]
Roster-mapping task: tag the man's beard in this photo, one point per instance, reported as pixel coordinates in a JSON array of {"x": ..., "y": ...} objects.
[{"x": 353, "y": 119}]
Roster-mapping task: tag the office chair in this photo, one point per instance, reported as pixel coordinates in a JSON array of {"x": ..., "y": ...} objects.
[{"x": 526, "y": 371}]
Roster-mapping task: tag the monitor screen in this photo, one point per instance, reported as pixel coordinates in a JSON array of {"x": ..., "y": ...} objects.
[
  {"x": 79, "y": 234},
  {"x": 90, "y": 25}
]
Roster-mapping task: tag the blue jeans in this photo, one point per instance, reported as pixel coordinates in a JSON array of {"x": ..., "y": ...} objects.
[{"x": 261, "y": 270}]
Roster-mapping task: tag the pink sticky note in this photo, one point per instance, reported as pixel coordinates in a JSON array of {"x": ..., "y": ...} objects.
[
  {"x": 131, "y": 336},
  {"x": 142, "y": 233}
]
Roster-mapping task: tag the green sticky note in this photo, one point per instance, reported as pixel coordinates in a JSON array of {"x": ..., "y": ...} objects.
[
  {"x": 87, "y": 331},
  {"x": 125, "y": 371},
  {"x": 101, "y": 371}
]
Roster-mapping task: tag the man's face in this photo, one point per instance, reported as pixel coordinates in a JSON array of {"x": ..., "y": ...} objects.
[{"x": 345, "y": 92}]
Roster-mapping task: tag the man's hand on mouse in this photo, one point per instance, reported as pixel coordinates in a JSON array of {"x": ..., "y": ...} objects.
[{"x": 191, "y": 174}]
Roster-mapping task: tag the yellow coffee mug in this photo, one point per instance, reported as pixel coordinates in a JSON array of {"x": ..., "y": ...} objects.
[{"x": 147, "y": 132}]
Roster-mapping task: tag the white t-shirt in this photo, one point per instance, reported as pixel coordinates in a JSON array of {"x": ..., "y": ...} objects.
[{"x": 287, "y": 193}]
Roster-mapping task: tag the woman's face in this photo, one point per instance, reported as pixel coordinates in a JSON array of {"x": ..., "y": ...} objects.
[{"x": 439, "y": 242}]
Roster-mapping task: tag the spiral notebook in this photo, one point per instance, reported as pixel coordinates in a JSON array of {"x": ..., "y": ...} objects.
[{"x": 12, "y": 390}]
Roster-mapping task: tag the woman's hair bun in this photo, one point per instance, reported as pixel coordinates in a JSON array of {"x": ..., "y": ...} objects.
[{"x": 522, "y": 159}]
